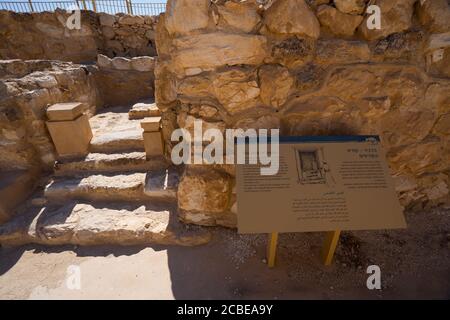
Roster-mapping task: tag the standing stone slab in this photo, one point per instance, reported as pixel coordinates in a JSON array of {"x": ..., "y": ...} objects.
[
  {"x": 64, "y": 111},
  {"x": 71, "y": 137}
]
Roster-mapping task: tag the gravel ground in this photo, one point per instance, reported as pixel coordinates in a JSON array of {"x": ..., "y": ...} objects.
[{"x": 415, "y": 263}]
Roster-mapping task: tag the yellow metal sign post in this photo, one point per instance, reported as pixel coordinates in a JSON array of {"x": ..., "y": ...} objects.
[
  {"x": 272, "y": 249},
  {"x": 331, "y": 242}
]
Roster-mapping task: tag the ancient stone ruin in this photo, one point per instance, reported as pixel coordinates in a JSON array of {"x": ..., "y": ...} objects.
[{"x": 305, "y": 67}]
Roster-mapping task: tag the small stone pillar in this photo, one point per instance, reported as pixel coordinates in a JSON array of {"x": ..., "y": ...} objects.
[
  {"x": 153, "y": 139},
  {"x": 69, "y": 128}
]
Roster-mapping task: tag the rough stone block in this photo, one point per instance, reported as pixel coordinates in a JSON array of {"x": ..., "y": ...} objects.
[
  {"x": 121, "y": 63},
  {"x": 143, "y": 64},
  {"x": 151, "y": 124},
  {"x": 142, "y": 110},
  {"x": 64, "y": 111},
  {"x": 71, "y": 137},
  {"x": 153, "y": 143}
]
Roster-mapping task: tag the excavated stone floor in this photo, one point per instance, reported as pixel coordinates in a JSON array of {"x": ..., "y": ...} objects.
[{"x": 114, "y": 195}]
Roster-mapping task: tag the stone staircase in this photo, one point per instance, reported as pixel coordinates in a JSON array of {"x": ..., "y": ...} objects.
[{"x": 113, "y": 195}]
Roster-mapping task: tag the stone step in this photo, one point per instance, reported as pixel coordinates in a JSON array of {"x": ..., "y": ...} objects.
[
  {"x": 143, "y": 110},
  {"x": 138, "y": 186},
  {"x": 89, "y": 224},
  {"x": 115, "y": 162},
  {"x": 113, "y": 132},
  {"x": 113, "y": 142}
]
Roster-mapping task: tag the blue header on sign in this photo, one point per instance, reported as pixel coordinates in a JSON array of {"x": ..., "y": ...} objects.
[
  {"x": 311, "y": 139},
  {"x": 328, "y": 139}
]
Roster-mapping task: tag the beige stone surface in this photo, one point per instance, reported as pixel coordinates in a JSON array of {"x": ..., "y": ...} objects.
[
  {"x": 241, "y": 17},
  {"x": 97, "y": 187},
  {"x": 237, "y": 90},
  {"x": 71, "y": 137},
  {"x": 434, "y": 15},
  {"x": 86, "y": 224},
  {"x": 110, "y": 162},
  {"x": 211, "y": 50},
  {"x": 114, "y": 132},
  {"x": 151, "y": 124},
  {"x": 186, "y": 121},
  {"x": 350, "y": 6},
  {"x": 204, "y": 191},
  {"x": 339, "y": 51},
  {"x": 292, "y": 17},
  {"x": 141, "y": 110},
  {"x": 338, "y": 23},
  {"x": 15, "y": 187},
  {"x": 145, "y": 64},
  {"x": 103, "y": 61},
  {"x": 111, "y": 35},
  {"x": 153, "y": 143},
  {"x": 121, "y": 63},
  {"x": 64, "y": 111},
  {"x": 276, "y": 83},
  {"x": 396, "y": 16},
  {"x": 184, "y": 16}
]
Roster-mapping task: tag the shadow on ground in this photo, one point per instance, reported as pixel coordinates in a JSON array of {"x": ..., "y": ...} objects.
[{"x": 414, "y": 264}]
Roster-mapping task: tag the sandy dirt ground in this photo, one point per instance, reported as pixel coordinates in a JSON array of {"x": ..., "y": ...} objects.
[{"x": 415, "y": 263}]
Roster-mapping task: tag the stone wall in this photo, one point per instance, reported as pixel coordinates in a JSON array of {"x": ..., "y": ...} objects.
[
  {"x": 45, "y": 36},
  {"x": 27, "y": 88},
  {"x": 123, "y": 81},
  {"x": 309, "y": 68}
]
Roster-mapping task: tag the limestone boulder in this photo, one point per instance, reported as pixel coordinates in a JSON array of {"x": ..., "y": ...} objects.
[
  {"x": 195, "y": 88},
  {"x": 338, "y": 23},
  {"x": 162, "y": 37},
  {"x": 212, "y": 50},
  {"x": 269, "y": 121},
  {"x": 143, "y": 64},
  {"x": 107, "y": 19},
  {"x": 46, "y": 81},
  {"x": 108, "y": 32},
  {"x": 237, "y": 90},
  {"x": 121, "y": 63},
  {"x": 114, "y": 47},
  {"x": 400, "y": 47},
  {"x": 292, "y": 17},
  {"x": 204, "y": 191},
  {"x": 142, "y": 110},
  {"x": 339, "y": 51},
  {"x": 350, "y": 6},
  {"x": 434, "y": 15},
  {"x": 165, "y": 85},
  {"x": 396, "y": 16},
  {"x": 131, "y": 20},
  {"x": 185, "y": 16},
  {"x": 186, "y": 121},
  {"x": 103, "y": 61},
  {"x": 276, "y": 83},
  {"x": 238, "y": 16},
  {"x": 292, "y": 52},
  {"x": 206, "y": 111}
]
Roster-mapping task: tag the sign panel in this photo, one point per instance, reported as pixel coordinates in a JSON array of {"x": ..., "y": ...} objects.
[{"x": 323, "y": 184}]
